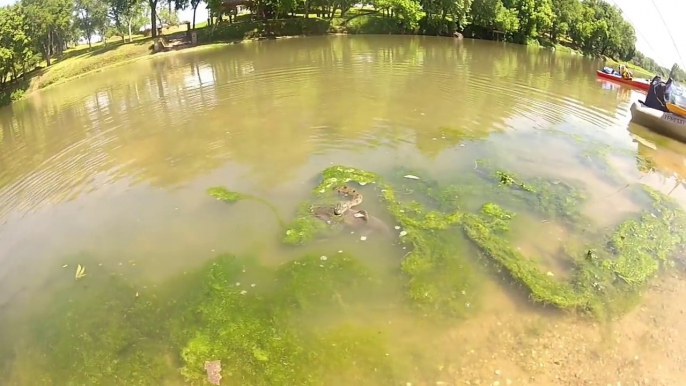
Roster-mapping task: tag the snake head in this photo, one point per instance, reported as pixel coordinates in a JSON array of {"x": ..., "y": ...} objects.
[
  {"x": 362, "y": 214},
  {"x": 340, "y": 208}
]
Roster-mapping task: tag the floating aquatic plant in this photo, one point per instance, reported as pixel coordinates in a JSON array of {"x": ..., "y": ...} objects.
[
  {"x": 433, "y": 216},
  {"x": 508, "y": 179},
  {"x": 253, "y": 336},
  {"x": 223, "y": 194},
  {"x": 554, "y": 199},
  {"x": 437, "y": 272}
]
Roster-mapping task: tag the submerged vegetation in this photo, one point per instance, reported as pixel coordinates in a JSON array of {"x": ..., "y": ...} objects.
[
  {"x": 221, "y": 193},
  {"x": 434, "y": 218},
  {"x": 554, "y": 199},
  {"x": 294, "y": 323},
  {"x": 108, "y": 330}
]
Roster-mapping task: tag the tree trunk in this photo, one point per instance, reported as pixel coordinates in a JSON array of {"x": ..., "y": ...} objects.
[
  {"x": 194, "y": 9},
  {"x": 307, "y": 9},
  {"x": 153, "y": 17},
  {"x": 130, "y": 37},
  {"x": 48, "y": 47},
  {"x": 59, "y": 46},
  {"x": 89, "y": 41}
]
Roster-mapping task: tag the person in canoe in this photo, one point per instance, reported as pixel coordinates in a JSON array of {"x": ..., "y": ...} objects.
[
  {"x": 658, "y": 94},
  {"x": 625, "y": 73},
  {"x": 659, "y": 91}
]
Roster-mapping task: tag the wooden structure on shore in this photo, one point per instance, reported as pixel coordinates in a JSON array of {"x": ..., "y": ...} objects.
[{"x": 233, "y": 7}]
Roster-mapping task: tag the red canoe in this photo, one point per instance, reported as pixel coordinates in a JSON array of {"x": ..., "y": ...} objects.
[{"x": 638, "y": 83}]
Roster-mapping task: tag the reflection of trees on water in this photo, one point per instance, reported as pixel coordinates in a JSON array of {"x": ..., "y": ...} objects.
[{"x": 271, "y": 105}]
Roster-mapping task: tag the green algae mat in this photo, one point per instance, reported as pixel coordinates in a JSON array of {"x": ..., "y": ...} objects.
[
  {"x": 295, "y": 323},
  {"x": 608, "y": 267}
]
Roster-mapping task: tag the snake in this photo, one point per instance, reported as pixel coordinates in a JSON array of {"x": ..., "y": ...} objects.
[
  {"x": 343, "y": 206},
  {"x": 350, "y": 216}
]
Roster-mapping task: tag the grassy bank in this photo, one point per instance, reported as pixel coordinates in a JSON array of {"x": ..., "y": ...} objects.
[{"x": 84, "y": 60}]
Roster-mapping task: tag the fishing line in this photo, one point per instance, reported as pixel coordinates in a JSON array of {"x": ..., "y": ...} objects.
[
  {"x": 668, "y": 31},
  {"x": 635, "y": 28}
]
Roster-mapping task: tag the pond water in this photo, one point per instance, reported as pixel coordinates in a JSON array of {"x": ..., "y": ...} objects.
[{"x": 111, "y": 172}]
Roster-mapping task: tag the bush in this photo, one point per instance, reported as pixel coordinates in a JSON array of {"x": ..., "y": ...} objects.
[
  {"x": 436, "y": 26},
  {"x": 375, "y": 24},
  {"x": 13, "y": 92}
]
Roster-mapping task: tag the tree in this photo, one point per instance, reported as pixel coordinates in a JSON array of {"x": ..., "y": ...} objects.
[
  {"x": 16, "y": 47},
  {"x": 183, "y": 4},
  {"x": 48, "y": 22},
  {"x": 456, "y": 9},
  {"x": 168, "y": 18},
  {"x": 534, "y": 16},
  {"x": 153, "y": 17},
  {"x": 407, "y": 10},
  {"x": 91, "y": 17},
  {"x": 599, "y": 29},
  {"x": 566, "y": 12},
  {"x": 493, "y": 15},
  {"x": 343, "y": 5},
  {"x": 506, "y": 20},
  {"x": 124, "y": 14}
]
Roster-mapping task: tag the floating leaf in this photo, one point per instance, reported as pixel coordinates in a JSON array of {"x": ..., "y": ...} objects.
[{"x": 80, "y": 272}]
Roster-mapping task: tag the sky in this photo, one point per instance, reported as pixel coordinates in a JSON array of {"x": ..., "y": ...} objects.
[{"x": 653, "y": 35}]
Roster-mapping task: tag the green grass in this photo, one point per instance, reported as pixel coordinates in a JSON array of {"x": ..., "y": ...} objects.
[
  {"x": 80, "y": 62},
  {"x": 83, "y": 59}
]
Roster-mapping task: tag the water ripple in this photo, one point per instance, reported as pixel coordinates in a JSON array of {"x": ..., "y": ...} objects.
[{"x": 169, "y": 120}]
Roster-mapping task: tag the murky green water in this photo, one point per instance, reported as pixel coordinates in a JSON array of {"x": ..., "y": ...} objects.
[{"x": 111, "y": 171}]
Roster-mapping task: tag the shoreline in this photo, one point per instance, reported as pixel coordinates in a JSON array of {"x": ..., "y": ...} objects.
[
  {"x": 31, "y": 88},
  {"x": 198, "y": 47}
]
